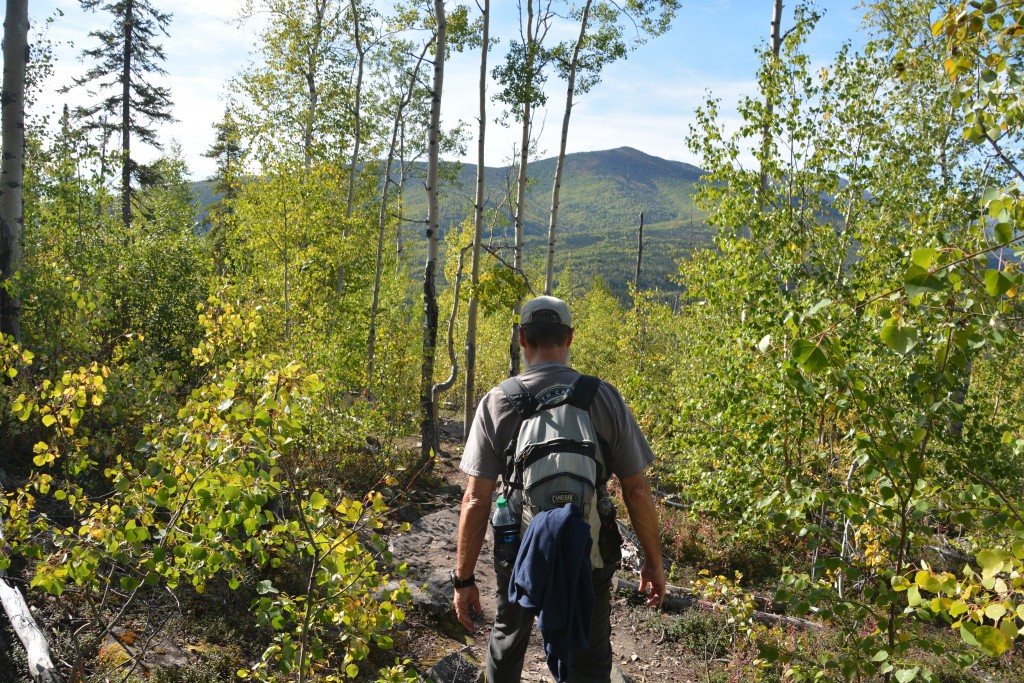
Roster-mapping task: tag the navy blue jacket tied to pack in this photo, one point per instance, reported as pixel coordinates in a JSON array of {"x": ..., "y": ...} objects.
[{"x": 552, "y": 576}]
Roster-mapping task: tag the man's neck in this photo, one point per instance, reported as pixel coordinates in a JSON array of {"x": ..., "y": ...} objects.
[{"x": 547, "y": 354}]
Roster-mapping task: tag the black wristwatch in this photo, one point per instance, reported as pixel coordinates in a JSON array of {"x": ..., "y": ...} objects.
[{"x": 462, "y": 583}]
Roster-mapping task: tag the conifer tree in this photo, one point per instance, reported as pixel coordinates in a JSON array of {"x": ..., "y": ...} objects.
[
  {"x": 127, "y": 53},
  {"x": 229, "y": 154}
]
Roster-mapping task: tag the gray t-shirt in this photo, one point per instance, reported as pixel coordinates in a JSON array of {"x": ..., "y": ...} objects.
[{"x": 496, "y": 423}]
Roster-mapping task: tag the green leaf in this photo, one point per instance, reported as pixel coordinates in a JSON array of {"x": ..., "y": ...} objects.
[
  {"x": 809, "y": 355},
  {"x": 992, "y": 640},
  {"x": 924, "y": 257},
  {"x": 352, "y": 670},
  {"x": 1009, "y": 629},
  {"x": 880, "y": 656},
  {"x": 997, "y": 282},
  {"x": 899, "y": 339},
  {"x": 765, "y": 343},
  {"x": 225, "y": 405},
  {"x": 919, "y": 281},
  {"x": 818, "y": 306},
  {"x": 49, "y": 420},
  {"x": 265, "y": 586},
  {"x": 991, "y": 561},
  {"x": 1003, "y": 232},
  {"x": 906, "y": 675},
  {"x": 317, "y": 501},
  {"x": 995, "y": 611}
]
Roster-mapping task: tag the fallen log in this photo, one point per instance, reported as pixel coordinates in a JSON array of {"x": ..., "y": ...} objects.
[
  {"x": 37, "y": 648},
  {"x": 687, "y": 601}
]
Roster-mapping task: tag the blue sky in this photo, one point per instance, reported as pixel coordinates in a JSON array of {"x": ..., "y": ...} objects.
[{"x": 645, "y": 101}]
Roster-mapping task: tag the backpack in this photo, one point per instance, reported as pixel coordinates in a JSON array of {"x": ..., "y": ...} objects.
[{"x": 557, "y": 455}]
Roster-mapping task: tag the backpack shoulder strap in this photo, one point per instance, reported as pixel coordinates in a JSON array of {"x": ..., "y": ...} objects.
[
  {"x": 524, "y": 403},
  {"x": 582, "y": 396},
  {"x": 583, "y": 391}
]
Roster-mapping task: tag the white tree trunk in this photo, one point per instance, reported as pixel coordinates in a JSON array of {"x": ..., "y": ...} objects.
[
  {"x": 469, "y": 399},
  {"x": 549, "y": 279},
  {"x": 37, "y": 649},
  {"x": 12, "y": 170}
]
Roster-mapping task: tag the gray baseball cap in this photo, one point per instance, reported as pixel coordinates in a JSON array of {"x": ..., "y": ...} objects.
[{"x": 546, "y": 309}]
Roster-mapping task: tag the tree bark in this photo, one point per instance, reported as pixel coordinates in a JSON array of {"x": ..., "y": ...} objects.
[
  {"x": 469, "y": 399},
  {"x": 549, "y": 279},
  {"x": 639, "y": 252},
  {"x": 339, "y": 285},
  {"x": 12, "y": 168},
  {"x": 769, "y": 105},
  {"x": 126, "y": 120},
  {"x": 358, "y": 133},
  {"x": 428, "y": 416}
]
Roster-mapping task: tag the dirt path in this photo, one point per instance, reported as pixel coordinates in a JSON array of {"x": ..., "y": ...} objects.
[{"x": 429, "y": 549}]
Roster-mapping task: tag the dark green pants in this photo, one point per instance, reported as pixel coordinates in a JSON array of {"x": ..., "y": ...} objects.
[{"x": 512, "y": 626}]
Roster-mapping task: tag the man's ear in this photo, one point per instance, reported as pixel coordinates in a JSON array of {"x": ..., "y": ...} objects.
[
  {"x": 568, "y": 340},
  {"x": 522, "y": 337}
]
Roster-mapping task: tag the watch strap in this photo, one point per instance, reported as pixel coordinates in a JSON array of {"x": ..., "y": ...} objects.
[{"x": 462, "y": 583}]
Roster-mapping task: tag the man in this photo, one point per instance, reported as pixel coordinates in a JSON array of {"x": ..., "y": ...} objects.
[{"x": 545, "y": 335}]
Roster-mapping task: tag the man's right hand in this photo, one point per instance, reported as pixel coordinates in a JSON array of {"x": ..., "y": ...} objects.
[
  {"x": 467, "y": 600},
  {"x": 652, "y": 583}
]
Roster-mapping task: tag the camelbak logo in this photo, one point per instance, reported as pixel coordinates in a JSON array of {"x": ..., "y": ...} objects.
[{"x": 562, "y": 497}]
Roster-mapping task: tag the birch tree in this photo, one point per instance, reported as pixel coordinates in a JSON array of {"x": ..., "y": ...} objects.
[
  {"x": 428, "y": 423},
  {"x": 601, "y": 40},
  {"x": 12, "y": 171},
  {"x": 522, "y": 77},
  {"x": 478, "y": 224}
]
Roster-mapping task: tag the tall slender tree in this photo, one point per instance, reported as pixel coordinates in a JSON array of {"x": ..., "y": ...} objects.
[
  {"x": 227, "y": 151},
  {"x": 522, "y": 79},
  {"x": 428, "y": 422},
  {"x": 601, "y": 40},
  {"x": 12, "y": 171},
  {"x": 298, "y": 94},
  {"x": 478, "y": 223},
  {"x": 126, "y": 55}
]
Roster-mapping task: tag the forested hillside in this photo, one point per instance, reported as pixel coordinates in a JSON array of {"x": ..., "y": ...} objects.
[
  {"x": 216, "y": 442},
  {"x": 604, "y": 194}
]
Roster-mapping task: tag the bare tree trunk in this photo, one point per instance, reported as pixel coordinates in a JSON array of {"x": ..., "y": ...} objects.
[
  {"x": 382, "y": 214},
  {"x": 444, "y": 386},
  {"x": 769, "y": 105},
  {"x": 469, "y": 400},
  {"x": 37, "y": 649},
  {"x": 339, "y": 284},
  {"x": 358, "y": 133},
  {"x": 639, "y": 252},
  {"x": 126, "y": 136},
  {"x": 428, "y": 417},
  {"x": 12, "y": 169},
  {"x": 549, "y": 279},
  {"x": 514, "y": 352}
]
